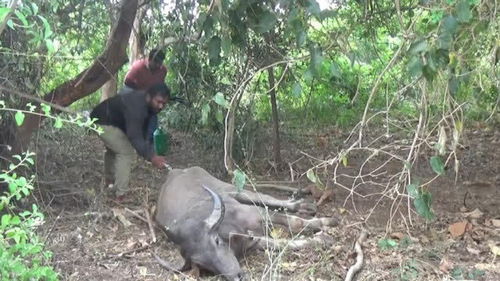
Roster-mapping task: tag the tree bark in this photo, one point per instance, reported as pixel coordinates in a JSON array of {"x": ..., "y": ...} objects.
[
  {"x": 276, "y": 128},
  {"x": 137, "y": 39},
  {"x": 91, "y": 79},
  {"x": 109, "y": 88}
]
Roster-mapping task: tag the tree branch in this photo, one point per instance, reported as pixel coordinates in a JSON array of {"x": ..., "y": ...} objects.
[{"x": 36, "y": 99}]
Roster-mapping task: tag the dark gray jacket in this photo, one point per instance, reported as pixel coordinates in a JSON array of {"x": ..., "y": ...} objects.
[{"x": 130, "y": 113}]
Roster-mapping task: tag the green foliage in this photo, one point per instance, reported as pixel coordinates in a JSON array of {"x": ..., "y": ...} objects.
[
  {"x": 422, "y": 200},
  {"x": 460, "y": 273},
  {"x": 387, "y": 244},
  {"x": 410, "y": 271},
  {"x": 239, "y": 179},
  {"x": 22, "y": 254},
  {"x": 437, "y": 165}
]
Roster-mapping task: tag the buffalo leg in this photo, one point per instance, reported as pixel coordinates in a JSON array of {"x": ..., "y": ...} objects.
[
  {"x": 265, "y": 243},
  {"x": 253, "y": 198},
  {"x": 297, "y": 224}
]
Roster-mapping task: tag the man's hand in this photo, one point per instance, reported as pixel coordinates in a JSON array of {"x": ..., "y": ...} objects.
[{"x": 158, "y": 161}]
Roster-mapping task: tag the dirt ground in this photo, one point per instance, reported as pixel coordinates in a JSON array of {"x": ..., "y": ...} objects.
[{"x": 94, "y": 239}]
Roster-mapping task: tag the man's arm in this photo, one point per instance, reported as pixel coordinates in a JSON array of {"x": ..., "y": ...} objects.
[{"x": 135, "y": 116}]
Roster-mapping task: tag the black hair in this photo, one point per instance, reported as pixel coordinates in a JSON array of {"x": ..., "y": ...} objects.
[
  {"x": 159, "y": 89},
  {"x": 157, "y": 55}
]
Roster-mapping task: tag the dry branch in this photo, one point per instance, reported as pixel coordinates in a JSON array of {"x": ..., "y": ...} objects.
[
  {"x": 150, "y": 225},
  {"x": 353, "y": 270},
  {"x": 135, "y": 250}
]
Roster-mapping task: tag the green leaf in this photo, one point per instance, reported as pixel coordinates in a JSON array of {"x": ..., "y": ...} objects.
[
  {"x": 313, "y": 8},
  {"x": 25, "y": 191},
  {"x": 415, "y": 67},
  {"x": 267, "y": 21},
  {"x": 45, "y": 108},
  {"x": 50, "y": 46},
  {"x": 208, "y": 25},
  {"x": 34, "y": 8},
  {"x": 412, "y": 190},
  {"x": 5, "y": 220},
  {"x": 449, "y": 25},
  {"x": 457, "y": 273},
  {"x": 301, "y": 38},
  {"x": 445, "y": 41},
  {"x": 239, "y": 179},
  {"x": 316, "y": 60},
  {"x": 311, "y": 176},
  {"x": 226, "y": 45},
  {"x": 31, "y": 107},
  {"x": 344, "y": 160},
  {"x": 387, "y": 244},
  {"x": 296, "y": 90},
  {"x": 30, "y": 160},
  {"x": 10, "y": 24},
  {"x": 15, "y": 220},
  {"x": 47, "y": 30},
  {"x": 335, "y": 70},
  {"x": 308, "y": 75},
  {"x": 221, "y": 100},
  {"x": 214, "y": 48},
  {"x": 428, "y": 73},
  {"x": 418, "y": 46},
  {"x": 58, "y": 123},
  {"x": 463, "y": 11},
  {"x": 205, "y": 110},
  {"x": 437, "y": 165},
  {"x": 423, "y": 205},
  {"x": 22, "y": 18},
  {"x": 219, "y": 116},
  {"x": 19, "y": 118},
  {"x": 21, "y": 181},
  {"x": 4, "y": 11}
]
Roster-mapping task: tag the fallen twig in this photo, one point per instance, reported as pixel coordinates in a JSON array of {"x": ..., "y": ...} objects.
[
  {"x": 359, "y": 256},
  {"x": 135, "y": 250},
  {"x": 150, "y": 224},
  {"x": 136, "y": 215}
]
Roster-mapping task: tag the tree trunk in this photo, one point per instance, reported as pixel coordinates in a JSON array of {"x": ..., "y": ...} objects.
[
  {"x": 91, "y": 79},
  {"x": 274, "y": 107},
  {"x": 109, "y": 88},
  {"x": 137, "y": 39}
]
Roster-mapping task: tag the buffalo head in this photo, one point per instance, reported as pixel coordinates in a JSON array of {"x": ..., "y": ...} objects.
[{"x": 205, "y": 248}]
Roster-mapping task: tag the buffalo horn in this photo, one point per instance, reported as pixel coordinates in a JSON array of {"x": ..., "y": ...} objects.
[{"x": 217, "y": 214}]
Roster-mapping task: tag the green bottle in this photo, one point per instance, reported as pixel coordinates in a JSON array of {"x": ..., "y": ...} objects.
[{"x": 161, "y": 142}]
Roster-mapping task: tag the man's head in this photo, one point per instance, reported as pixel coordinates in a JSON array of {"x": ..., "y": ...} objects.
[
  {"x": 155, "y": 59},
  {"x": 157, "y": 97}
]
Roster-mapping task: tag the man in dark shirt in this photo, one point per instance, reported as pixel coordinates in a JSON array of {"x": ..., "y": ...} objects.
[{"x": 125, "y": 119}]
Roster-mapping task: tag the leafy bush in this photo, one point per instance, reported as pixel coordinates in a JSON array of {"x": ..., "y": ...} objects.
[{"x": 22, "y": 254}]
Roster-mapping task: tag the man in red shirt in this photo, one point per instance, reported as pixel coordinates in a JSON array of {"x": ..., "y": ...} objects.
[
  {"x": 144, "y": 74},
  {"x": 147, "y": 72}
]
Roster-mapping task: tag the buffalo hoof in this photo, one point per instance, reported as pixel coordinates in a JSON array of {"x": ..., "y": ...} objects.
[
  {"x": 329, "y": 221},
  {"x": 305, "y": 208}
]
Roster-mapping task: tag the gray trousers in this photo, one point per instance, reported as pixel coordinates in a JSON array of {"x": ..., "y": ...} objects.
[{"x": 118, "y": 158}]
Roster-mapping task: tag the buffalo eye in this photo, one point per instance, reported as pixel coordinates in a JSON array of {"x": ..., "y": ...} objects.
[{"x": 217, "y": 240}]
